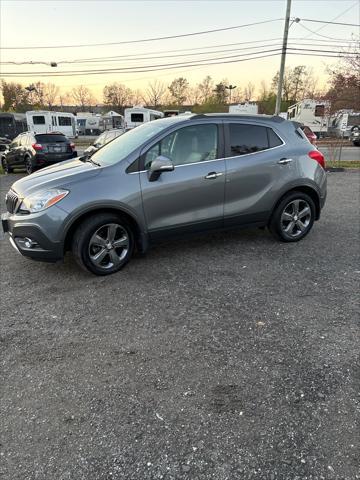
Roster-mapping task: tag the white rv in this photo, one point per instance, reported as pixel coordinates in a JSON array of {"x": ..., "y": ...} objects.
[
  {"x": 138, "y": 115},
  {"x": 313, "y": 114},
  {"x": 244, "y": 108},
  {"x": 342, "y": 123},
  {"x": 42, "y": 121},
  {"x": 89, "y": 123},
  {"x": 113, "y": 120}
]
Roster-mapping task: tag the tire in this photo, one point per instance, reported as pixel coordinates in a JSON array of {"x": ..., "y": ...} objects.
[
  {"x": 286, "y": 224},
  {"x": 29, "y": 165},
  {"x": 6, "y": 167},
  {"x": 94, "y": 241}
]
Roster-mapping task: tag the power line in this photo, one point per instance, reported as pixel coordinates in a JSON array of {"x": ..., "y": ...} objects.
[
  {"x": 135, "y": 58},
  {"x": 154, "y": 68},
  {"x": 330, "y": 23},
  {"x": 319, "y": 34},
  {"x": 203, "y": 32},
  {"x": 335, "y": 18}
]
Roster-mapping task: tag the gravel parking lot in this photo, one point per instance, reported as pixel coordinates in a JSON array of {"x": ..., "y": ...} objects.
[{"x": 229, "y": 356}]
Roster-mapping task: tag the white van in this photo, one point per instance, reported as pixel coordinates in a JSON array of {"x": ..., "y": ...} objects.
[
  {"x": 138, "y": 115},
  {"x": 43, "y": 121},
  {"x": 313, "y": 114}
]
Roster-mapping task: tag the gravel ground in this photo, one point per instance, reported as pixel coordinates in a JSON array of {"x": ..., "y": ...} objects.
[{"x": 229, "y": 356}]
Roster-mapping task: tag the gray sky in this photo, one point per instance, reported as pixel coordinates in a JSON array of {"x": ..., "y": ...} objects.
[{"x": 25, "y": 23}]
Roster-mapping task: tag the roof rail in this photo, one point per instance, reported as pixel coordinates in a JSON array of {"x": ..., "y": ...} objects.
[
  {"x": 277, "y": 118},
  {"x": 199, "y": 115}
]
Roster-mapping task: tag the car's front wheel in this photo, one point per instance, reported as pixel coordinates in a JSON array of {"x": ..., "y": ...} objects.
[
  {"x": 7, "y": 169},
  {"x": 293, "y": 218},
  {"x": 103, "y": 243}
]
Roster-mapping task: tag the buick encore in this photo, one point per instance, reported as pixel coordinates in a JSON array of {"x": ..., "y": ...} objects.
[{"x": 176, "y": 175}]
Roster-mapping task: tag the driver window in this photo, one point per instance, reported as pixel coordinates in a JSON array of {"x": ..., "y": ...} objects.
[{"x": 193, "y": 144}]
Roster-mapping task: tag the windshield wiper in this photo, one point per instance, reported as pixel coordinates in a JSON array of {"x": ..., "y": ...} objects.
[{"x": 90, "y": 160}]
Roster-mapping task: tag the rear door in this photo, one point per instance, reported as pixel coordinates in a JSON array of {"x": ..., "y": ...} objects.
[
  {"x": 191, "y": 197},
  {"x": 253, "y": 171}
]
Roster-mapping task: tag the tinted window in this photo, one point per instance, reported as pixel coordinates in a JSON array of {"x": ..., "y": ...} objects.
[
  {"x": 274, "y": 140},
  {"x": 38, "y": 120},
  {"x": 247, "y": 139},
  {"x": 64, "y": 121},
  {"x": 197, "y": 143},
  {"x": 137, "y": 117},
  {"x": 46, "y": 138}
]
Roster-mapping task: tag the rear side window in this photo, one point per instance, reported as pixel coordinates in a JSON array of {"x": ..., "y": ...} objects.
[
  {"x": 274, "y": 140},
  {"x": 39, "y": 120},
  {"x": 51, "y": 139},
  {"x": 246, "y": 138},
  {"x": 64, "y": 121}
]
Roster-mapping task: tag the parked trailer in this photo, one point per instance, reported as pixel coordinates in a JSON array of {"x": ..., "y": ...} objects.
[
  {"x": 343, "y": 122},
  {"x": 138, "y": 115},
  {"x": 313, "y": 114},
  {"x": 89, "y": 123},
  {"x": 112, "y": 120},
  {"x": 42, "y": 121},
  {"x": 245, "y": 108},
  {"x": 12, "y": 124}
]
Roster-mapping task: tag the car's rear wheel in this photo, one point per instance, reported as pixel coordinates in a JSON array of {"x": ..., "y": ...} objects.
[
  {"x": 103, "y": 243},
  {"x": 29, "y": 165},
  {"x": 293, "y": 218},
  {"x": 7, "y": 169}
]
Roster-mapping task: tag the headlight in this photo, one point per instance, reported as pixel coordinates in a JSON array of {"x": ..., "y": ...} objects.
[{"x": 42, "y": 200}]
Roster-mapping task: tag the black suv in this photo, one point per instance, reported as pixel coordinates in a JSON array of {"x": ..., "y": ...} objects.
[{"x": 34, "y": 151}]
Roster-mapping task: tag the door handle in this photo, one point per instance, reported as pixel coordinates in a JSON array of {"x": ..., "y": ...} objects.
[
  {"x": 213, "y": 175},
  {"x": 284, "y": 161}
]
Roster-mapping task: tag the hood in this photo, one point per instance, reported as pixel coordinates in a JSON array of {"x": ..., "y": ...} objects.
[{"x": 55, "y": 176}]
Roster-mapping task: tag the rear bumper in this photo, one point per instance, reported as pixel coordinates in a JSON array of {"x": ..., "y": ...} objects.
[
  {"x": 30, "y": 240},
  {"x": 41, "y": 160}
]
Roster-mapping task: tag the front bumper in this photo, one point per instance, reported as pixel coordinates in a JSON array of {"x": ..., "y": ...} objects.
[{"x": 30, "y": 240}]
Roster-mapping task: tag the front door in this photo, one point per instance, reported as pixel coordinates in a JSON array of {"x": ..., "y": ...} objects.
[{"x": 191, "y": 197}]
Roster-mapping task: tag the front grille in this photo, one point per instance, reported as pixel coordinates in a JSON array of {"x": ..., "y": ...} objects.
[{"x": 11, "y": 201}]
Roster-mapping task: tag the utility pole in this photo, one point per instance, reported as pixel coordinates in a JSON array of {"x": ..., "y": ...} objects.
[{"x": 283, "y": 56}]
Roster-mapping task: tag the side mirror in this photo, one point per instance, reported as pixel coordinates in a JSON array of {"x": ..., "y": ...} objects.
[{"x": 159, "y": 165}]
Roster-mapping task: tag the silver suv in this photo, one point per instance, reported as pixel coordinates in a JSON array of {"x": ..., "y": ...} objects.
[{"x": 171, "y": 176}]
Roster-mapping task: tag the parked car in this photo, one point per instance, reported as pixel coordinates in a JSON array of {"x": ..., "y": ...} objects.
[
  {"x": 32, "y": 151},
  {"x": 103, "y": 139},
  {"x": 177, "y": 175},
  {"x": 4, "y": 147},
  {"x": 355, "y": 135}
]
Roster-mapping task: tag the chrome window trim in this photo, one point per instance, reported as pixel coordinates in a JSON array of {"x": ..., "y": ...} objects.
[{"x": 184, "y": 165}]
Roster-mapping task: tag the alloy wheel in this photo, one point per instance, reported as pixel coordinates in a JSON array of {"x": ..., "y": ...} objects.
[
  {"x": 109, "y": 246},
  {"x": 296, "y": 218}
]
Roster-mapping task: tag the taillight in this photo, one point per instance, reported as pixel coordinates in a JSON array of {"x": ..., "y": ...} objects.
[
  {"x": 72, "y": 145},
  {"x": 318, "y": 156},
  {"x": 37, "y": 146}
]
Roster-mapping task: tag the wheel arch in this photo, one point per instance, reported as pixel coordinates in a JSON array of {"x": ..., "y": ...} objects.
[
  {"x": 313, "y": 194},
  {"x": 140, "y": 236}
]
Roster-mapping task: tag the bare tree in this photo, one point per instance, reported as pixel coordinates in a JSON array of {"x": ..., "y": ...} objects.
[
  {"x": 194, "y": 96},
  {"x": 65, "y": 99},
  {"x": 206, "y": 88},
  {"x": 137, "y": 97},
  {"x": 50, "y": 93},
  {"x": 82, "y": 96},
  {"x": 249, "y": 91},
  {"x": 117, "y": 95},
  {"x": 178, "y": 89},
  {"x": 155, "y": 93}
]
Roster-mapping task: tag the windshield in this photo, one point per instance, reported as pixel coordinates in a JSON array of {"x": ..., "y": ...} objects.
[{"x": 122, "y": 146}]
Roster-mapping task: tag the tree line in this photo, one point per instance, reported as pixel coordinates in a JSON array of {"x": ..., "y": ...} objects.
[{"x": 207, "y": 96}]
